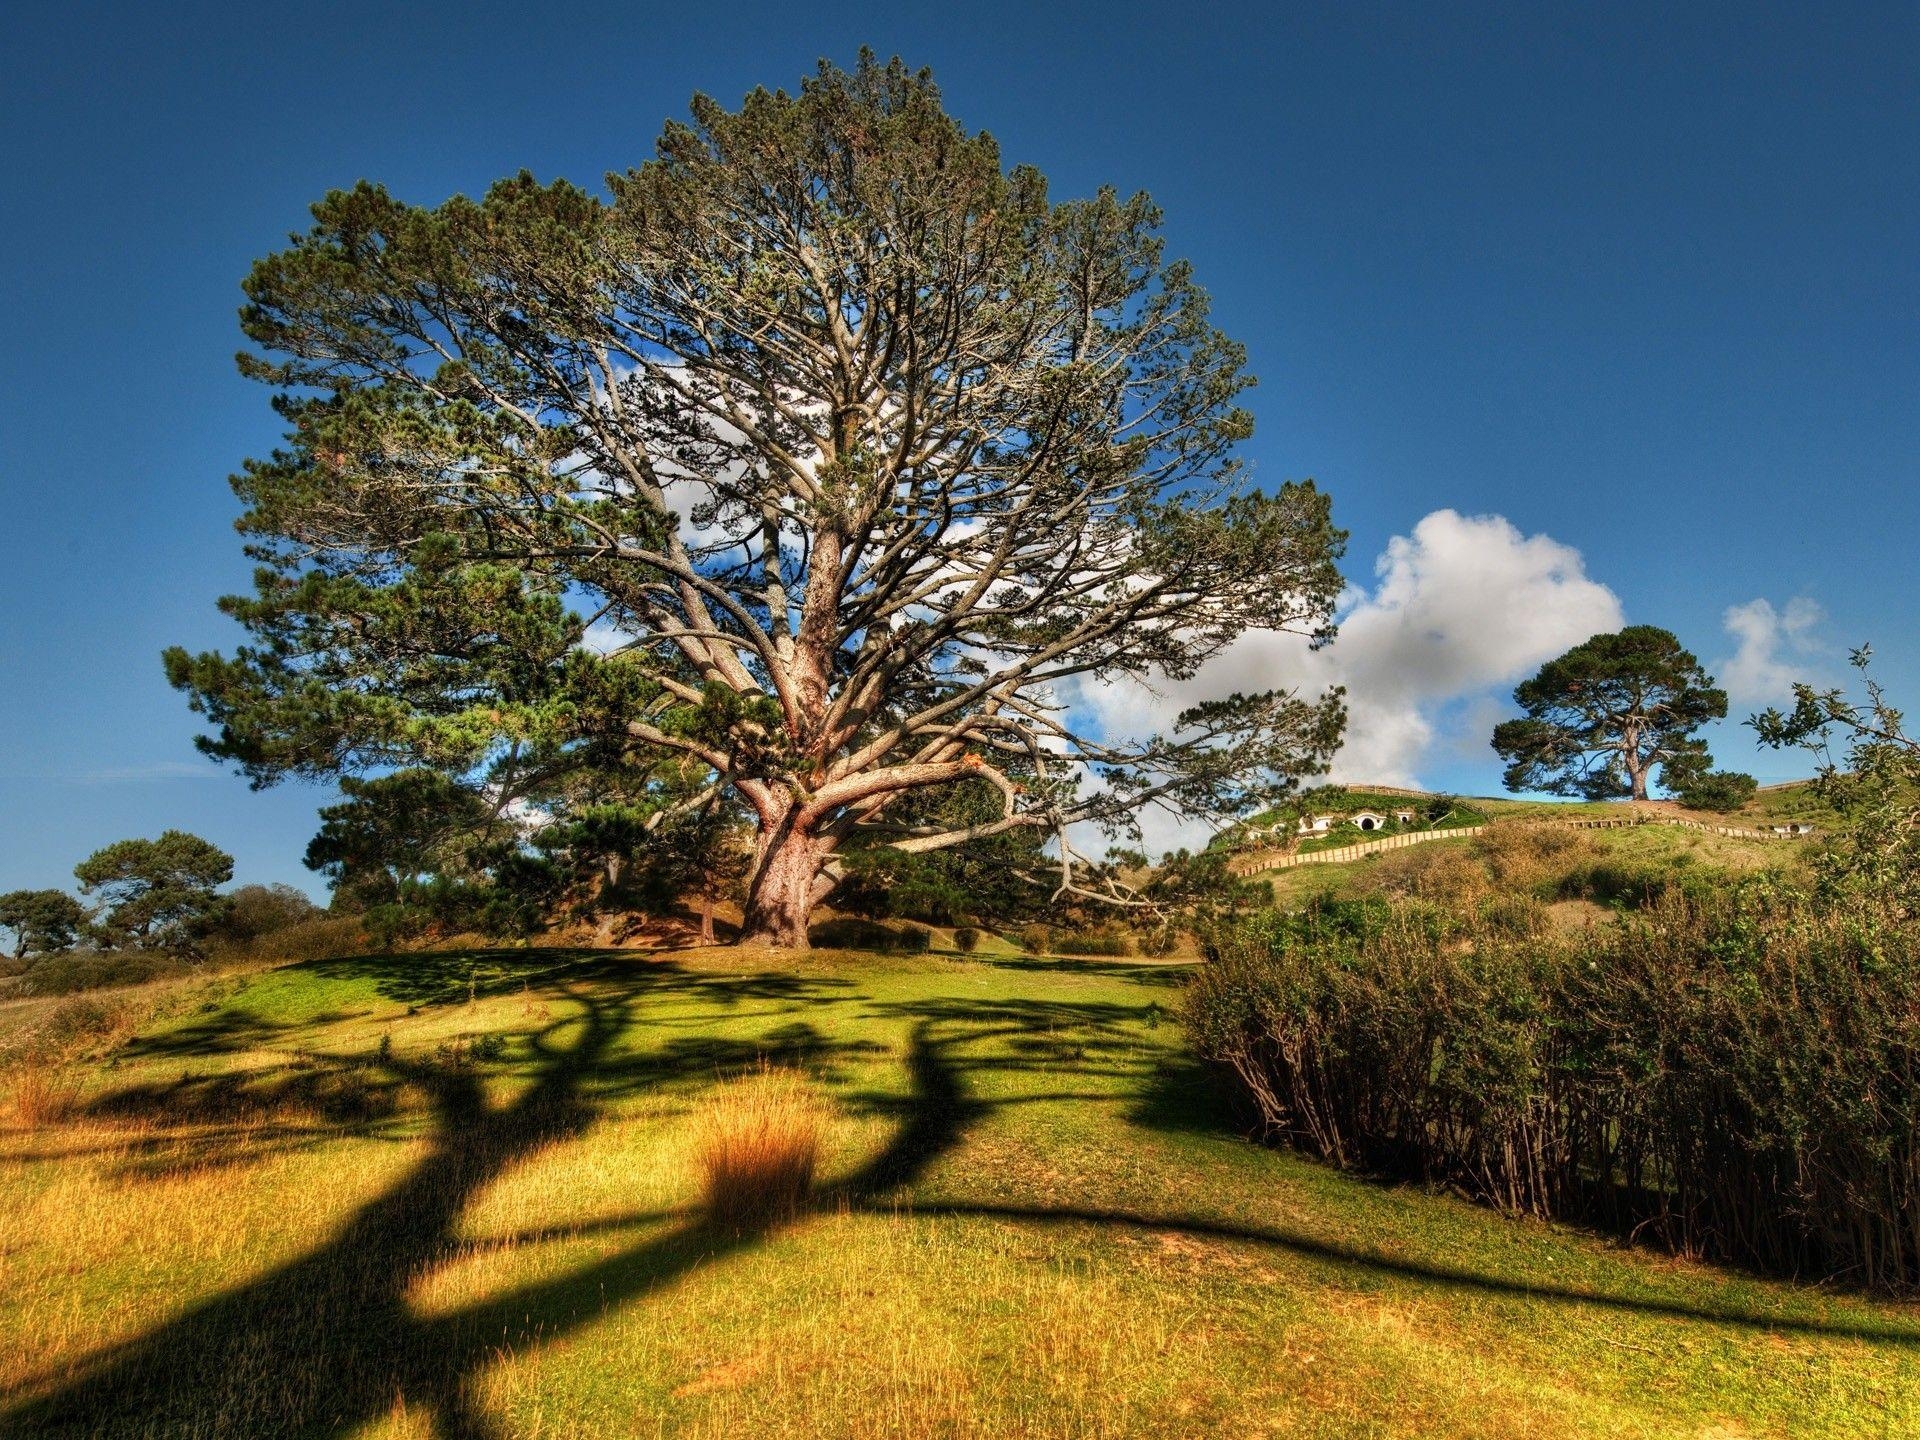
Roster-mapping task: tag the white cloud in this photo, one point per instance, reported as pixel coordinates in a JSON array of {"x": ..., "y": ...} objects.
[
  {"x": 1773, "y": 648},
  {"x": 1462, "y": 607}
]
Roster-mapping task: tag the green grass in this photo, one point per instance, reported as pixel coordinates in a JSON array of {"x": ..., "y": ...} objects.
[{"x": 321, "y": 1201}]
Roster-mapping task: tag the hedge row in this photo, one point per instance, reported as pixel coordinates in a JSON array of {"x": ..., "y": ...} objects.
[{"x": 1734, "y": 1076}]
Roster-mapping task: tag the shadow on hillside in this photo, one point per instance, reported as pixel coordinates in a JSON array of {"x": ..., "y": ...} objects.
[
  {"x": 1182, "y": 1096},
  {"x": 330, "y": 1342},
  {"x": 1171, "y": 973}
]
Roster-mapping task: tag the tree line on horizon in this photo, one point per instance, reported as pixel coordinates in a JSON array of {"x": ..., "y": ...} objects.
[{"x": 157, "y": 895}]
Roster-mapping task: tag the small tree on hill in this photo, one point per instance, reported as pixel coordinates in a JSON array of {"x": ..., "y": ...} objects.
[
  {"x": 1721, "y": 791},
  {"x": 1601, "y": 718},
  {"x": 855, "y": 445},
  {"x": 42, "y": 922},
  {"x": 156, "y": 892},
  {"x": 1874, "y": 785}
]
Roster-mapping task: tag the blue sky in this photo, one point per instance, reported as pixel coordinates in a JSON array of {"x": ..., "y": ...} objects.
[{"x": 1641, "y": 280}]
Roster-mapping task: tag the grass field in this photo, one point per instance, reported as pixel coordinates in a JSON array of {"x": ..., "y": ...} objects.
[{"x": 457, "y": 1195}]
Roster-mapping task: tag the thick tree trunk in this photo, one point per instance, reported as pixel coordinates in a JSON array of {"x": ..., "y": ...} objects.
[{"x": 780, "y": 899}]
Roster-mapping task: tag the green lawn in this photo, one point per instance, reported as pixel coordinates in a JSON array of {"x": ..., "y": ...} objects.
[{"x": 321, "y": 1201}]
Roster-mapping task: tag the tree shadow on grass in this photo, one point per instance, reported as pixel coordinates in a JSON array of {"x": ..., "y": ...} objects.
[
  {"x": 1184, "y": 1096},
  {"x": 329, "y": 1342},
  {"x": 1169, "y": 973},
  {"x": 448, "y": 977},
  {"x": 326, "y": 1343}
]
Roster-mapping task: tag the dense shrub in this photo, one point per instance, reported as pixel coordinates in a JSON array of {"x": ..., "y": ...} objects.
[
  {"x": 77, "y": 1020},
  {"x": 255, "y": 911},
  {"x": 70, "y": 974},
  {"x": 966, "y": 939},
  {"x": 1634, "y": 883},
  {"x": 1088, "y": 940},
  {"x": 1516, "y": 915},
  {"x": 323, "y": 936},
  {"x": 1719, "y": 790},
  {"x": 1734, "y": 1074},
  {"x": 1444, "y": 873},
  {"x": 1096, "y": 940},
  {"x": 1160, "y": 941}
]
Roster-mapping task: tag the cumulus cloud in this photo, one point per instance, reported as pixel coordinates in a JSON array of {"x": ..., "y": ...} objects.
[
  {"x": 1460, "y": 607},
  {"x": 1773, "y": 648}
]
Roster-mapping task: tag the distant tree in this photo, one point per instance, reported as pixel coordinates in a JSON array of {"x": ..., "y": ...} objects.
[
  {"x": 42, "y": 922},
  {"x": 856, "y": 445},
  {"x": 1200, "y": 889},
  {"x": 1604, "y": 715},
  {"x": 999, "y": 878},
  {"x": 702, "y": 856},
  {"x": 160, "y": 892}
]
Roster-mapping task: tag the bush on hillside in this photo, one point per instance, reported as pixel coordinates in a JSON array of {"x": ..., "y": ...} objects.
[
  {"x": 73, "y": 973},
  {"x": 1721, "y": 791},
  {"x": 1092, "y": 940},
  {"x": 1084, "y": 941},
  {"x": 1160, "y": 941},
  {"x": 255, "y": 911},
  {"x": 1735, "y": 1074},
  {"x": 1619, "y": 880},
  {"x": 322, "y": 936},
  {"x": 966, "y": 939}
]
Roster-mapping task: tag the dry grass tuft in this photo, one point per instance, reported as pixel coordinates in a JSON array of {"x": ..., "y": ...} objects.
[
  {"x": 42, "y": 1097},
  {"x": 1525, "y": 855},
  {"x": 758, "y": 1145}
]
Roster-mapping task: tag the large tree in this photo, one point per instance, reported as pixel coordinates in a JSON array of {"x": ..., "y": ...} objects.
[
  {"x": 850, "y": 452},
  {"x": 159, "y": 892},
  {"x": 1602, "y": 717}
]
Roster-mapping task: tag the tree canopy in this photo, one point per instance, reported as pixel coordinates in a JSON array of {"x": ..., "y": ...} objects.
[
  {"x": 824, "y": 450},
  {"x": 156, "y": 892},
  {"x": 42, "y": 922},
  {"x": 1602, "y": 717},
  {"x": 1874, "y": 784}
]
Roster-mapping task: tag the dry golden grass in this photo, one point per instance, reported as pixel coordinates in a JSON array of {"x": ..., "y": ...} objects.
[
  {"x": 1524, "y": 854},
  {"x": 40, "y": 1097},
  {"x": 758, "y": 1149},
  {"x": 1447, "y": 873}
]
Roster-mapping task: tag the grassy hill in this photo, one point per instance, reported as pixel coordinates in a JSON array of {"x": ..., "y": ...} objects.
[
  {"x": 457, "y": 1195},
  {"x": 1581, "y": 880}
]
